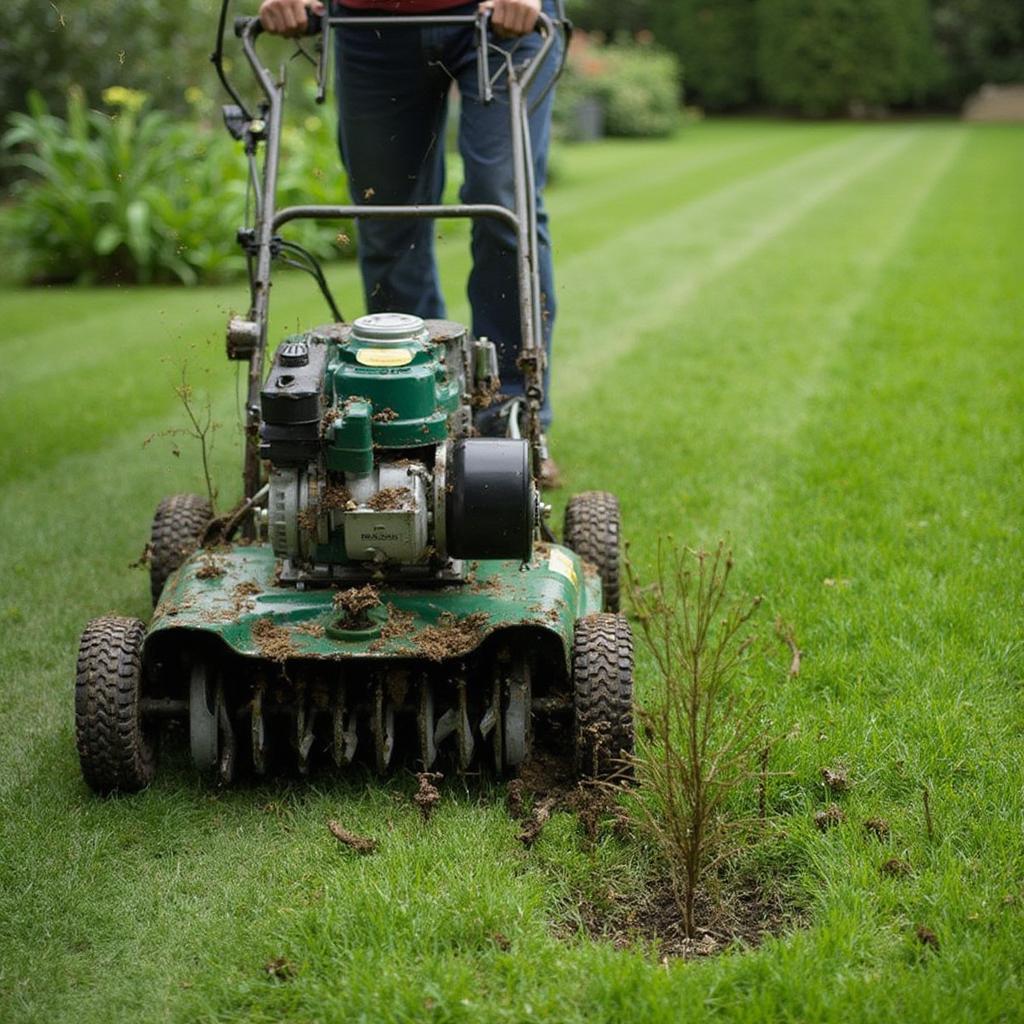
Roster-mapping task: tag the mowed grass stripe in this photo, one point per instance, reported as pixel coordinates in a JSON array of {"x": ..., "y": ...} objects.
[
  {"x": 904, "y": 488},
  {"x": 893, "y": 405},
  {"x": 693, "y": 245},
  {"x": 726, "y": 371},
  {"x": 141, "y": 351}
]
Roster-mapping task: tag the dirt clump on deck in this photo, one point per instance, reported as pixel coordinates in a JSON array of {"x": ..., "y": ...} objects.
[
  {"x": 333, "y": 496},
  {"x": 452, "y": 636},
  {"x": 399, "y": 624},
  {"x": 355, "y": 603},
  {"x": 390, "y": 499},
  {"x": 274, "y": 641},
  {"x": 210, "y": 567}
]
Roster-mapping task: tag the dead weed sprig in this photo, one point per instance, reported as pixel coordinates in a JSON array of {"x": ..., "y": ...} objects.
[
  {"x": 202, "y": 428},
  {"x": 706, "y": 736}
]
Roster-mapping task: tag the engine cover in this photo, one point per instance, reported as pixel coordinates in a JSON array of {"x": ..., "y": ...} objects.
[{"x": 373, "y": 474}]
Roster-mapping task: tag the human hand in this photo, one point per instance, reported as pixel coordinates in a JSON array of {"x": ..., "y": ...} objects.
[
  {"x": 513, "y": 17},
  {"x": 287, "y": 17}
]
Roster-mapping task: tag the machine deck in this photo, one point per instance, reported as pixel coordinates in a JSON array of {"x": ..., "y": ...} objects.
[{"x": 232, "y": 594}]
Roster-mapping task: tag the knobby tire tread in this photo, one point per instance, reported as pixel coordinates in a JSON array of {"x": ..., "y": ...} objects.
[
  {"x": 602, "y": 672},
  {"x": 115, "y": 753},
  {"x": 592, "y": 531},
  {"x": 178, "y": 526}
]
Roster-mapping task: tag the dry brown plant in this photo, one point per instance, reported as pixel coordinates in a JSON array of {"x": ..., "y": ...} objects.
[{"x": 705, "y": 731}]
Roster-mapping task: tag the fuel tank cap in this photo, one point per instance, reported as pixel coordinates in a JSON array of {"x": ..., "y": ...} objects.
[{"x": 388, "y": 329}]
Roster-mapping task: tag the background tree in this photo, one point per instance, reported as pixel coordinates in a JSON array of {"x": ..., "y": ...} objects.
[
  {"x": 158, "y": 48},
  {"x": 827, "y": 57},
  {"x": 716, "y": 42}
]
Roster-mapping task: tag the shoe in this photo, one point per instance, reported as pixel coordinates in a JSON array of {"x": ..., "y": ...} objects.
[
  {"x": 550, "y": 475},
  {"x": 550, "y": 478}
]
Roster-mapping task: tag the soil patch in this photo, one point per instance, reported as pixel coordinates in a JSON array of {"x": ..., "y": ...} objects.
[
  {"x": 650, "y": 916},
  {"x": 631, "y": 913}
]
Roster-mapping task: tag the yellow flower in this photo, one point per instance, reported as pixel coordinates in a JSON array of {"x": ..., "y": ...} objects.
[
  {"x": 194, "y": 95},
  {"x": 120, "y": 96}
]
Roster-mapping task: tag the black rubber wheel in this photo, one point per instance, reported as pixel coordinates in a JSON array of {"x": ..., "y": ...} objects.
[
  {"x": 592, "y": 531},
  {"x": 116, "y": 752},
  {"x": 602, "y": 680},
  {"x": 178, "y": 526}
]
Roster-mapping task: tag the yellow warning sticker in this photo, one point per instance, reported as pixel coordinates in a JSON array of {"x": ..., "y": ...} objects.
[
  {"x": 384, "y": 356},
  {"x": 561, "y": 563}
]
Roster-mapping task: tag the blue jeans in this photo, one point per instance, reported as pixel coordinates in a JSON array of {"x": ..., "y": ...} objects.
[{"x": 392, "y": 89}]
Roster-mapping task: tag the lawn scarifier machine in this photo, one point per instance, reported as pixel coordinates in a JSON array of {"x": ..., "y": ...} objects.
[{"x": 388, "y": 588}]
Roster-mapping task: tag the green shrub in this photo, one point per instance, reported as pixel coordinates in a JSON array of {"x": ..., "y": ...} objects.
[
  {"x": 827, "y": 57},
  {"x": 160, "y": 48},
  {"x": 636, "y": 85},
  {"x": 136, "y": 195},
  {"x": 978, "y": 41},
  {"x": 717, "y": 44}
]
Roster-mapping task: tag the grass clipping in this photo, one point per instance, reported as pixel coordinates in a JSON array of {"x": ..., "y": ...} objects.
[{"x": 704, "y": 732}]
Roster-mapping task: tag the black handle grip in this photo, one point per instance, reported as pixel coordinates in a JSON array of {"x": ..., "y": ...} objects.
[{"x": 314, "y": 23}]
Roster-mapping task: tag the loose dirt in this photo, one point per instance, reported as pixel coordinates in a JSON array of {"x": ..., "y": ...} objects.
[
  {"x": 877, "y": 827},
  {"x": 635, "y": 913},
  {"x": 428, "y": 796},
  {"x": 895, "y": 867},
  {"x": 830, "y": 817},
  {"x": 390, "y": 499},
  {"x": 274, "y": 642},
  {"x": 361, "y": 844},
  {"x": 356, "y": 602},
  {"x": 452, "y": 636},
  {"x": 210, "y": 568},
  {"x": 537, "y": 820},
  {"x": 836, "y": 779}
]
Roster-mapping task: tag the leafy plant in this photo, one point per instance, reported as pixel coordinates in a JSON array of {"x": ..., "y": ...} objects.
[
  {"x": 636, "y": 85},
  {"x": 704, "y": 730},
  {"x": 136, "y": 195}
]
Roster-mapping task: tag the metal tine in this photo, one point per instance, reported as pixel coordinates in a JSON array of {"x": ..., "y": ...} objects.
[
  {"x": 258, "y": 729},
  {"x": 345, "y": 735},
  {"x": 383, "y": 726},
  {"x": 497, "y": 744},
  {"x": 446, "y": 725},
  {"x": 226, "y": 765},
  {"x": 425, "y": 722},
  {"x": 305, "y": 716},
  {"x": 463, "y": 728}
]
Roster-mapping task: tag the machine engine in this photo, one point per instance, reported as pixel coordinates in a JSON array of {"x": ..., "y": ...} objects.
[{"x": 374, "y": 472}]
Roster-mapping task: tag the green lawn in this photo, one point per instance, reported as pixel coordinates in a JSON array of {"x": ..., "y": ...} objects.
[{"x": 805, "y": 337}]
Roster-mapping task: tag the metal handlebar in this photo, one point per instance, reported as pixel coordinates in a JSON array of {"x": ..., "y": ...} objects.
[{"x": 523, "y": 219}]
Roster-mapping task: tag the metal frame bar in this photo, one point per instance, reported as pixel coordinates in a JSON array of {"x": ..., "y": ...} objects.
[{"x": 523, "y": 219}]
